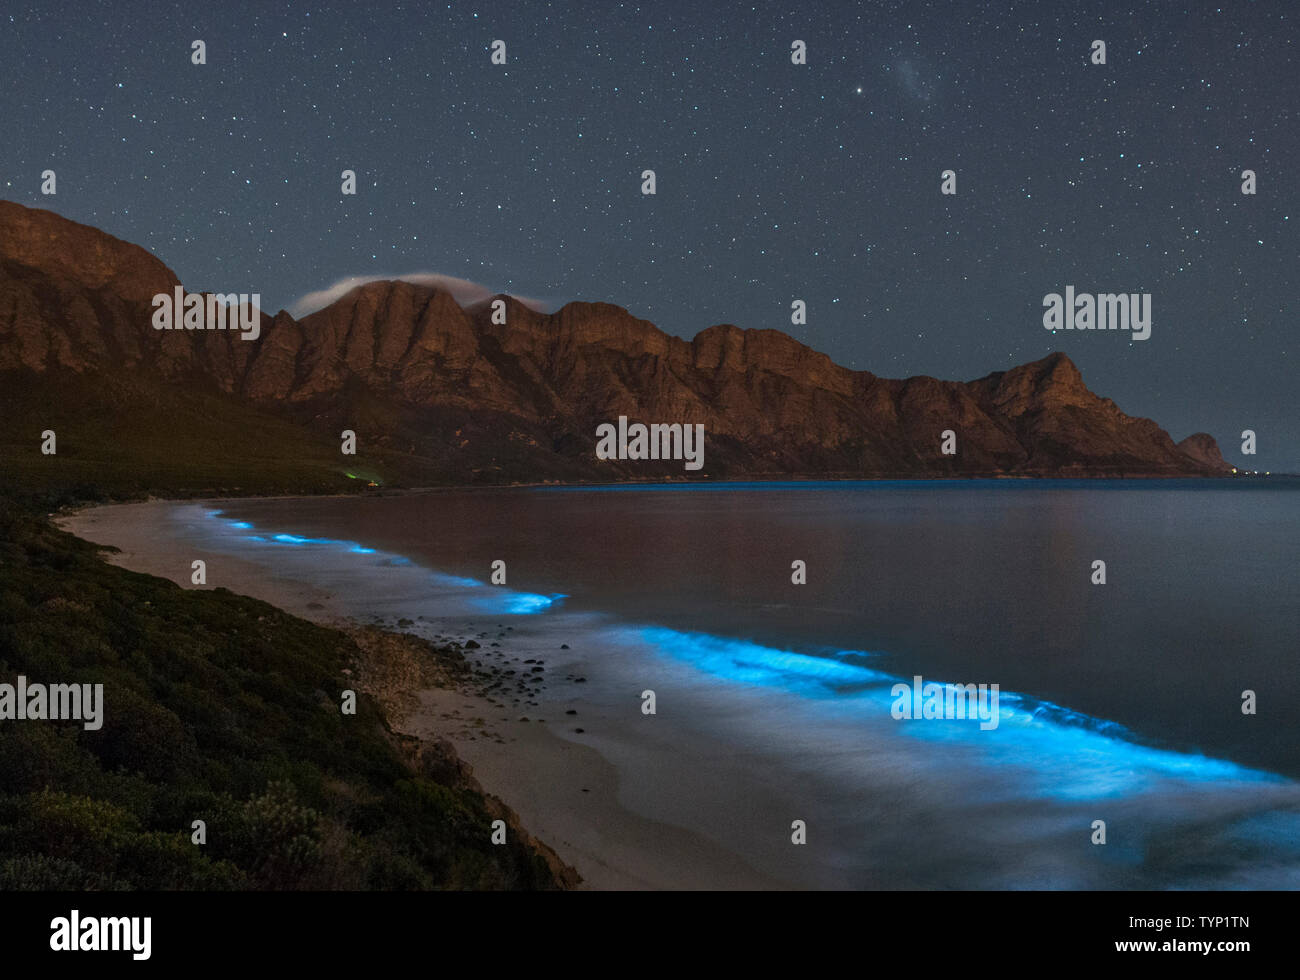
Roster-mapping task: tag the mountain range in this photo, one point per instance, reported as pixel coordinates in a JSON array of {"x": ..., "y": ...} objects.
[{"x": 440, "y": 394}]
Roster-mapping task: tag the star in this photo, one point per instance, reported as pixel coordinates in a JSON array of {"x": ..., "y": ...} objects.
[{"x": 470, "y": 167}]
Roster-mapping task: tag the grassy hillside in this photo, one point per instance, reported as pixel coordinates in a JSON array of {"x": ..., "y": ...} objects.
[{"x": 124, "y": 437}]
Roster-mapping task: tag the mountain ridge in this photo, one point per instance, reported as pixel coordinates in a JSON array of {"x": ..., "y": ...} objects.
[{"x": 462, "y": 398}]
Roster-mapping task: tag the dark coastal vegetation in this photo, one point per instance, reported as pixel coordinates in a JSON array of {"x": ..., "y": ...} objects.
[{"x": 218, "y": 708}]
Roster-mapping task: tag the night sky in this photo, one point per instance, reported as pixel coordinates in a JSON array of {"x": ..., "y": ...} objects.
[{"x": 775, "y": 181}]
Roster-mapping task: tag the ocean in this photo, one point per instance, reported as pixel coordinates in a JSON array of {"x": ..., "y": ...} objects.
[{"x": 775, "y": 702}]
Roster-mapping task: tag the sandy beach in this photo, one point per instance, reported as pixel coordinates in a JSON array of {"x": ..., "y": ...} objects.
[{"x": 565, "y": 793}]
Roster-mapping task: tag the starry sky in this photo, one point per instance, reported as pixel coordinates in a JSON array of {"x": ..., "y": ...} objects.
[{"x": 775, "y": 181}]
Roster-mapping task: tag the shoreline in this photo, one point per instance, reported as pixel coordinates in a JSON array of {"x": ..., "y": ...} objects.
[
  {"x": 566, "y": 794},
  {"x": 747, "y": 482}
]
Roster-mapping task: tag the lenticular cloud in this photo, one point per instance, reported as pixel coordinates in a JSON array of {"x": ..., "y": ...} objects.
[{"x": 465, "y": 292}]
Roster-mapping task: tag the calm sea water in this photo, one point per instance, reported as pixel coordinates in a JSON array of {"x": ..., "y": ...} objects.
[
  {"x": 1120, "y": 702},
  {"x": 967, "y": 582}
]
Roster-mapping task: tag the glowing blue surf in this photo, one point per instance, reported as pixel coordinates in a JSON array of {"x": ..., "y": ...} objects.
[
  {"x": 493, "y": 599},
  {"x": 518, "y": 603},
  {"x": 1063, "y": 754},
  {"x": 1066, "y": 755}
]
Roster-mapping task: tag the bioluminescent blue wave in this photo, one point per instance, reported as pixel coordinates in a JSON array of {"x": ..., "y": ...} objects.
[
  {"x": 458, "y": 581},
  {"x": 1048, "y": 711},
  {"x": 295, "y": 540},
  {"x": 1068, "y": 755},
  {"x": 495, "y": 599},
  {"x": 517, "y": 603},
  {"x": 751, "y": 663}
]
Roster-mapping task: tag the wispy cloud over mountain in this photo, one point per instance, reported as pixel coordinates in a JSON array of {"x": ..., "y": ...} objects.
[{"x": 465, "y": 292}]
